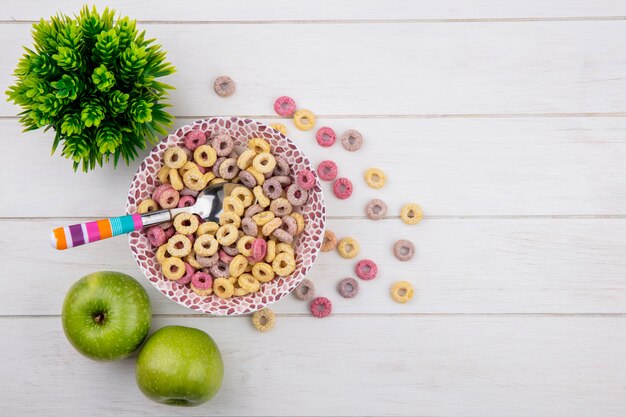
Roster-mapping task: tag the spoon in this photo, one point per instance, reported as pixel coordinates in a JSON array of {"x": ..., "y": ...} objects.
[{"x": 209, "y": 206}]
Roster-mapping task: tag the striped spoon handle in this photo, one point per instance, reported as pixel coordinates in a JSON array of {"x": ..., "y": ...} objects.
[{"x": 79, "y": 234}]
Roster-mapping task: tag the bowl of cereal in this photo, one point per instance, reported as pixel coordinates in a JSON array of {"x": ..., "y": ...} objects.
[{"x": 262, "y": 247}]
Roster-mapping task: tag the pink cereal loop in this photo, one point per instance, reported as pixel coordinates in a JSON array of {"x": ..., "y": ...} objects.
[
  {"x": 285, "y": 106},
  {"x": 186, "y": 201},
  {"x": 156, "y": 236},
  {"x": 366, "y": 269},
  {"x": 224, "y": 257},
  {"x": 321, "y": 307},
  {"x": 202, "y": 280},
  {"x": 342, "y": 188},
  {"x": 305, "y": 179},
  {"x": 156, "y": 194},
  {"x": 194, "y": 139},
  {"x": 325, "y": 136},
  {"x": 189, "y": 271},
  {"x": 259, "y": 249},
  {"x": 327, "y": 170}
]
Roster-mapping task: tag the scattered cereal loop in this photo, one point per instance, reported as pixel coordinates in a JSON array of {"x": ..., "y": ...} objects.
[
  {"x": 402, "y": 291},
  {"x": 375, "y": 178},
  {"x": 411, "y": 213},
  {"x": 263, "y": 320},
  {"x": 224, "y": 86}
]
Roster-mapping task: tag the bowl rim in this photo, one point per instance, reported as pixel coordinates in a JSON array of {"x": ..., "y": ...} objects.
[{"x": 288, "y": 283}]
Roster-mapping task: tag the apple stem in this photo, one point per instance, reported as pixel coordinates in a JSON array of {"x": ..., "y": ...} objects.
[{"x": 99, "y": 318}]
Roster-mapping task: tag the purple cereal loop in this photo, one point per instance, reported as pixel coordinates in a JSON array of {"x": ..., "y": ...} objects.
[
  {"x": 366, "y": 269},
  {"x": 282, "y": 236},
  {"x": 202, "y": 280},
  {"x": 296, "y": 195},
  {"x": 305, "y": 290},
  {"x": 259, "y": 249},
  {"x": 268, "y": 175},
  {"x": 194, "y": 138},
  {"x": 247, "y": 179},
  {"x": 283, "y": 180},
  {"x": 281, "y": 207},
  {"x": 220, "y": 270},
  {"x": 252, "y": 210},
  {"x": 228, "y": 169},
  {"x": 169, "y": 198},
  {"x": 156, "y": 236},
  {"x": 216, "y": 165},
  {"x": 166, "y": 225},
  {"x": 231, "y": 249},
  {"x": 207, "y": 261},
  {"x": 289, "y": 225},
  {"x": 342, "y": 188},
  {"x": 169, "y": 232},
  {"x": 224, "y": 257},
  {"x": 249, "y": 227},
  {"x": 321, "y": 307},
  {"x": 156, "y": 194},
  {"x": 305, "y": 179},
  {"x": 282, "y": 166},
  {"x": 325, "y": 136},
  {"x": 348, "y": 287},
  {"x": 189, "y": 192},
  {"x": 327, "y": 170},
  {"x": 285, "y": 106},
  {"x": 376, "y": 209},
  {"x": 351, "y": 140},
  {"x": 223, "y": 145},
  {"x": 186, "y": 201},
  {"x": 224, "y": 86},
  {"x": 404, "y": 250},
  {"x": 272, "y": 188}
]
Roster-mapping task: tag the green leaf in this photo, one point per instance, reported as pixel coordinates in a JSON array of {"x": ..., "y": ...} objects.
[
  {"x": 103, "y": 79},
  {"x": 67, "y": 87}
]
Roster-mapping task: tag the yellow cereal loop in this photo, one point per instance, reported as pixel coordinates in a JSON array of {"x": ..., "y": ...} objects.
[
  {"x": 261, "y": 198},
  {"x": 262, "y": 272},
  {"x": 233, "y": 204},
  {"x": 208, "y": 177},
  {"x": 245, "y": 159},
  {"x": 259, "y": 145},
  {"x": 240, "y": 292},
  {"x": 348, "y": 248},
  {"x": 260, "y": 178},
  {"x": 223, "y": 288},
  {"x": 244, "y": 195},
  {"x": 264, "y": 162},
  {"x": 164, "y": 175},
  {"x": 244, "y": 245},
  {"x": 217, "y": 181},
  {"x": 263, "y": 320},
  {"x": 201, "y": 292},
  {"x": 179, "y": 246},
  {"x": 284, "y": 264},
  {"x": 173, "y": 268},
  {"x": 238, "y": 265},
  {"x": 233, "y": 280},
  {"x": 146, "y": 206},
  {"x": 162, "y": 253},
  {"x": 205, "y": 245},
  {"x": 174, "y": 157},
  {"x": 175, "y": 180},
  {"x": 304, "y": 120},
  {"x": 227, "y": 235},
  {"x": 189, "y": 166},
  {"x": 375, "y": 178},
  {"x": 194, "y": 180},
  {"x": 205, "y": 156},
  {"x": 207, "y": 228},
  {"x": 191, "y": 260},
  {"x": 272, "y": 225},
  {"x": 411, "y": 213},
  {"x": 248, "y": 283},
  {"x": 229, "y": 217},
  {"x": 280, "y": 127},
  {"x": 285, "y": 248},
  {"x": 402, "y": 291},
  {"x": 271, "y": 251},
  {"x": 299, "y": 222},
  {"x": 186, "y": 223}
]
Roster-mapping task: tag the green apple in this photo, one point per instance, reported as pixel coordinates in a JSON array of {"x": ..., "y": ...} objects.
[
  {"x": 106, "y": 315},
  {"x": 180, "y": 366}
]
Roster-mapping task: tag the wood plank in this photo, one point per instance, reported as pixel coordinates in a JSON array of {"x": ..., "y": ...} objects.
[
  {"x": 241, "y": 10},
  {"x": 518, "y": 166},
  {"x": 432, "y": 68},
  {"x": 485, "y": 266},
  {"x": 459, "y": 366}
]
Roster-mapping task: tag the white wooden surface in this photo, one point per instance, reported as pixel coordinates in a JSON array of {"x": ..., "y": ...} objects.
[{"x": 504, "y": 119}]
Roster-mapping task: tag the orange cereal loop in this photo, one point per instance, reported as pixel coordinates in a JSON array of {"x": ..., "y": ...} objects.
[
  {"x": 189, "y": 166},
  {"x": 330, "y": 241},
  {"x": 272, "y": 225},
  {"x": 280, "y": 127},
  {"x": 175, "y": 157},
  {"x": 238, "y": 265},
  {"x": 173, "y": 268},
  {"x": 164, "y": 175},
  {"x": 304, "y": 120},
  {"x": 248, "y": 283},
  {"x": 402, "y": 291},
  {"x": 348, "y": 248},
  {"x": 175, "y": 180},
  {"x": 260, "y": 178},
  {"x": 146, "y": 206},
  {"x": 375, "y": 178},
  {"x": 245, "y": 159},
  {"x": 205, "y": 245},
  {"x": 227, "y": 235},
  {"x": 271, "y": 251},
  {"x": 179, "y": 246},
  {"x": 264, "y": 162},
  {"x": 244, "y": 195},
  {"x": 299, "y": 222},
  {"x": 205, "y": 156},
  {"x": 263, "y": 320},
  {"x": 194, "y": 180},
  {"x": 186, "y": 223},
  {"x": 411, "y": 214},
  {"x": 229, "y": 217},
  {"x": 262, "y": 272},
  {"x": 261, "y": 198},
  {"x": 223, "y": 288},
  {"x": 207, "y": 228},
  {"x": 284, "y": 264},
  {"x": 259, "y": 145},
  {"x": 233, "y": 204}
]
